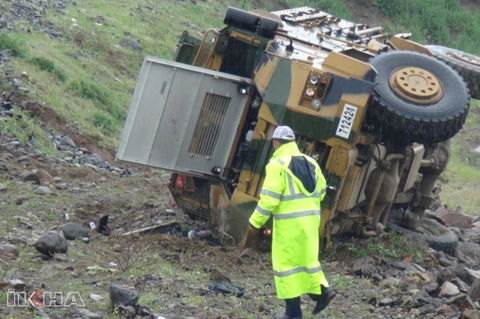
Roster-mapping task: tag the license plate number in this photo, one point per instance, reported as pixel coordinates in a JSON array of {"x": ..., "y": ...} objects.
[{"x": 346, "y": 121}]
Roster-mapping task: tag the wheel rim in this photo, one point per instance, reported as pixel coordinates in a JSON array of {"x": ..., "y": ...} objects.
[
  {"x": 471, "y": 59},
  {"x": 416, "y": 85}
]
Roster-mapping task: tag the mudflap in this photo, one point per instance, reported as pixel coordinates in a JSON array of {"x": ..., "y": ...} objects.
[
  {"x": 232, "y": 219},
  {"x": 227, "y": 214},
  {"x": 191, "y": 194}
]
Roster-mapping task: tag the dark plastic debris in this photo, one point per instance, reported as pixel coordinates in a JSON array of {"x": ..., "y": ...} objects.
[{"x": 226, "y": 288}]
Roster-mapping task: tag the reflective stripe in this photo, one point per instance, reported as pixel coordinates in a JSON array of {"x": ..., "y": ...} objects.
[
  {"x": 323, "y": 191},
  {"x": 297, "y": 270},
  {"x": 271, "y": 193},
  {"x": 297, "y": 214},
  {"x": 290, "y": 184},
  {"x": 299, "y": 196},
  {"x": 282, "y": 162},
  {"x": 263, "y": 211}
]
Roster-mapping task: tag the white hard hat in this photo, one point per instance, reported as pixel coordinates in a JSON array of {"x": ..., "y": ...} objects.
[{"x": 283, "y": 133}]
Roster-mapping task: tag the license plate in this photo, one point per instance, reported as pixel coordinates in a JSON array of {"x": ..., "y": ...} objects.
[{"x": 346, "y": 121}]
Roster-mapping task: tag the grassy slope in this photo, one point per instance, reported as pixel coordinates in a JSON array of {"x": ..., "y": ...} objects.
[
  {"x": 98, "y": 75},
  {"x": 461, "y": 181}
]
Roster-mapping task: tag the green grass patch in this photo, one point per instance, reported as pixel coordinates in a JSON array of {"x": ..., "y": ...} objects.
[
  {"x": 49, "y": 66},
  {"x": 443, "y": 22},
  {"x": 26, "y": 129},
  {"x": 391, "y": 247},
  {"x": 15, "y": 43},
  {"x": 461, "y": 181}
]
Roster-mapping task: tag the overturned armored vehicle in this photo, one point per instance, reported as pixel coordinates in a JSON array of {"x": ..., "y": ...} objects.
[{"x": 375, "y": 111}]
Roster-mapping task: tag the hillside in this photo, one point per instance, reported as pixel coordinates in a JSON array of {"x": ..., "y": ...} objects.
[{"x": 67, "y": 73}]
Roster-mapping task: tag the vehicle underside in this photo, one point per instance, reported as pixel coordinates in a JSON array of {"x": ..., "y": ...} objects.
[{"x": 375, "y": 111}]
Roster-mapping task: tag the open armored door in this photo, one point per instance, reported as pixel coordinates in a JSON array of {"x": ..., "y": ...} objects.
[{"x": 183, "y": 118}]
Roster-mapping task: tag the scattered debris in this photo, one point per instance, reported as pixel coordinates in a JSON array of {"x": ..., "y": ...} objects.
[
  {"x": 102, "y": 226},
  {"x": 202, "y": 234},
  {"x": 170, "y": 227},
  {"x": 226, "y": 288}
]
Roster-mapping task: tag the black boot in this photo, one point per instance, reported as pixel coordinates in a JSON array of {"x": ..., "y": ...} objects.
[
  {"x": 293, "y": 309},
  {"x": 327, "y": 295},
  {"x": 284, "y": 316}
]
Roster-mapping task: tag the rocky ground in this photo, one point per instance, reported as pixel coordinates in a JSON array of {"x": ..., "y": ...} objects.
[{"x": 46, "y": 199}]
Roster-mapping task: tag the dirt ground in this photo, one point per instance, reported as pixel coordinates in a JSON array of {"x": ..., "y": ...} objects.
[{"x": 171, "y": 273}]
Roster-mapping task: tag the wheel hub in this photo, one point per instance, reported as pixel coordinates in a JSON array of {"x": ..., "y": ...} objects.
[
  {"x": 471, "y": 59},
  {"x": 416, "y": 85}
]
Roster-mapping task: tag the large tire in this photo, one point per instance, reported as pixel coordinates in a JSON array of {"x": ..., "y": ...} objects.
[
  {"x": 403, "y": 118},
  {"x": 458, "y": 60},
  {"x": 267, "y": 28},
  {"x": 241, "y": 19},
  {"x": 435, "y": 234}
]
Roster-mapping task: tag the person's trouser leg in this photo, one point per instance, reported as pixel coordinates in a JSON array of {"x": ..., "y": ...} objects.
[{"x": 293, "y": 308}]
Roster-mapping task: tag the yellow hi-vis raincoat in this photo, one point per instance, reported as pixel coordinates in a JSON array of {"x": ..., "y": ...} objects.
[{"x": 296, "y": 222}]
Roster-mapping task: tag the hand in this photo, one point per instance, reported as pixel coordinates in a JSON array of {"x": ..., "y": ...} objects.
[{"x": 250, "y": 239}]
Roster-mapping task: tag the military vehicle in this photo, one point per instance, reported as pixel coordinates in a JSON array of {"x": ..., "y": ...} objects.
[{"x": 376, "y": 111}]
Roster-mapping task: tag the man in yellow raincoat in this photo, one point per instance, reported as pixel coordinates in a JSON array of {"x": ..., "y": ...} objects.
[{"x": 292, "y": 191}]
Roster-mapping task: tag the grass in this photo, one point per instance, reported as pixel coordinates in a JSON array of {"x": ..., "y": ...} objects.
[
  {"x": 461, "y": 181},
  {"x": 28, "y": 129},
  {"x": 14, "y": 43},
  {"x": 49, "y": 66},
  {"x": 90, "y": 80},
  {"x": 391, "y": 247}
]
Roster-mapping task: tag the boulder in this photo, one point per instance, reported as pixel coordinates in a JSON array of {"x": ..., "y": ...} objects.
[
  {"x": 399, "y": 265},
  {"x": 47, "y": 23},
  {"x": 463, "y": 302},
  {"x": 127, "y": 311},
  {"x": 73, "y": 231},
  {"x": 460, "y": 284},
  {"x": 474, "y": 291},
  {"x": 51, "y": 243},
  {"x": 216, "y": 275},
  {"x": 131, "y": 44},
  {"x": 40, "y": 177},
  {"x": 43, "y": 190},
  {"x": 86, "y": 314},
  {"x": 471, "y": 314},
  {"x": 65, "y": 140},
  {"x": 448, "y": 289},
  {"x": 362, "y": 263},
  {"x": 386, "y": 301},
  {"x": 468, "y": 253},
  {"x": 469, "y": 275},
  {"x": 121, "y": 296},
  {"x": 454, "y": 218},
  {"x": 8, "y": 251}
]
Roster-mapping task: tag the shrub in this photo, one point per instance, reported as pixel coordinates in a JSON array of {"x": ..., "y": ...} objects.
[
  {"x": 104, "y": 121},
  {"x": 50, "y": 67},
  {"x": 14, "y": 43},
  {"x": 105, "y": 99},
  {"x": 90, "y": 90}
]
